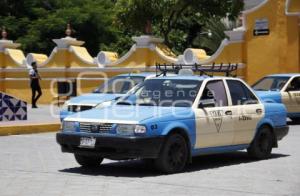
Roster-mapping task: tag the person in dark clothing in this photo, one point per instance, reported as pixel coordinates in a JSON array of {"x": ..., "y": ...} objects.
[{"x": 35, "y": 84}]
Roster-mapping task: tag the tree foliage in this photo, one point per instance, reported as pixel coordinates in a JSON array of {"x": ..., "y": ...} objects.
[
  {"x": 217, "y": 28},
  {"x": 110, "y": 24},
  {"x": 179, "y": 22},
  {"x": 34, "y": 23}
]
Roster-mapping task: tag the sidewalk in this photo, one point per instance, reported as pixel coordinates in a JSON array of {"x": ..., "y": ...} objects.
[{"x": 42, "y": 119}]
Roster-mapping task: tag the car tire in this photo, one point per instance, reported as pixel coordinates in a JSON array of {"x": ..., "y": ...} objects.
[
  {"x": 261, "y": 147},
  {"x": 174, "y": 155},
  {"x": 295, "y": 120},
  {"x": 88, "y": 161}
]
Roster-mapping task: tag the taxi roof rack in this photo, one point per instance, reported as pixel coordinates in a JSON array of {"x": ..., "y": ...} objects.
[{"x": 208, "y": 70}]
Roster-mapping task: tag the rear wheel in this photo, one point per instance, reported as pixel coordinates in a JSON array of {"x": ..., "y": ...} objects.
[
  {"x": 174, "y": 155},
  {"x": 88, "y": 161},
  {"x": 262, "y": 145}
]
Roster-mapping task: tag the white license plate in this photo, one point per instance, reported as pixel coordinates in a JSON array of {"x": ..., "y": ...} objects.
[{"x": 87, "y": 142}]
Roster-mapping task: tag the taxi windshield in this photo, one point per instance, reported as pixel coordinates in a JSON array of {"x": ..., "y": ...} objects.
[
  {"x": 119, "y": 84},
  {"x": 270, "y": 84},
  {"x": 163, "y": 92}
]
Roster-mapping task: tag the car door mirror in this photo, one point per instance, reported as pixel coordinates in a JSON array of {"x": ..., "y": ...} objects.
[{"x": 207, "y": 103}]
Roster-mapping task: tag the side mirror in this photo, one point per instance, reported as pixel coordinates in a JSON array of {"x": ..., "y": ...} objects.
[{"x": 207, "y": 103}]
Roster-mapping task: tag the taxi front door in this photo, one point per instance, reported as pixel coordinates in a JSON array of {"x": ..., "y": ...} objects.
[{"x": 214, "y": 125}]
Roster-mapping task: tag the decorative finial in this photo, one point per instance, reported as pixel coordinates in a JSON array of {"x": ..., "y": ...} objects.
[
  {"x": 4, "y": 33},
  {"x": 69, "y": 30}
]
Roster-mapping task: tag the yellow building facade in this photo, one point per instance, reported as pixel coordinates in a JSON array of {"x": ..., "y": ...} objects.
[
  {"x": 267, "y": 43},
  {"x": 70, "y": 61}
]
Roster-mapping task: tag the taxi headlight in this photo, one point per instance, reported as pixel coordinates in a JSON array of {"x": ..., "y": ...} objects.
[
  {"x": 69, "y": 126},
  {"x": 124, "y": 129},
  {"x": 140, "y": 129}
]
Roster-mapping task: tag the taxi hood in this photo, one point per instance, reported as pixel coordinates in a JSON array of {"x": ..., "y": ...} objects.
[
  {"x": 131, "y": 114},
  {"x": 93, "y": 98}
]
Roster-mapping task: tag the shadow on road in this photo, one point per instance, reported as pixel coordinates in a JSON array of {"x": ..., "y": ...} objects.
[{"x": 138, "y": 168}]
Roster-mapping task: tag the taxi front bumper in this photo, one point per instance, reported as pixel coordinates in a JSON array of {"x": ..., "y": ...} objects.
[{"x": 112, "y": 147}]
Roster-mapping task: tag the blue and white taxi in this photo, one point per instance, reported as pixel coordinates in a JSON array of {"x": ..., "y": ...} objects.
[
  {"x": 171, "y": 119},
  {"x": 112, "y": 89},
  {"x": 281, "y": 88}
]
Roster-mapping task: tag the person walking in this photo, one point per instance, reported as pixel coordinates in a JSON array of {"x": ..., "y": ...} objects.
[{"x": 35, "y": 84}]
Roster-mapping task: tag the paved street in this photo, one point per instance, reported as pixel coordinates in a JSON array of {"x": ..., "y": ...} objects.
[{"x": 33, "y": 165}]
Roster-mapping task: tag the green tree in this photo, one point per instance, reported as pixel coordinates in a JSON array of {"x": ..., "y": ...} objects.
[
  {"x": 177, "y": 21},
  {"x": 110, "y": 24},
  {"x": 34, "y": 23},
  {"x": 217, "y": 28}
]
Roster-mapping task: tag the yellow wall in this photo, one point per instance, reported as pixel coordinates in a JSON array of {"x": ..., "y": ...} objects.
[
  {"x": 59, "y": 59},
  {"x": 274, "y": 53},
  {"x": 2, "y": 59},
  {"x": 136, "y": 59},
  {"x": 65, "y": 58},
  {"x": 7, "y": 61},
  {"x": 141, "y": 58},
  {"x": 278, "y": 52},
  {"x": 21, "y": 89},
  {"x": 294, "y": 6},
  {"x": 76, "y": 62},
  {"x": 232, "y": 53},
  {"x": 18, "y": 84}
]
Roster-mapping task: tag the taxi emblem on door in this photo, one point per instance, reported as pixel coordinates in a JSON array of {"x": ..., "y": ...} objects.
[{"x": 217, "y": 117}]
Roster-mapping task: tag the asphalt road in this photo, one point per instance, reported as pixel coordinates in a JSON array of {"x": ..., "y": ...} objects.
[{"x": 33, "y": 165}]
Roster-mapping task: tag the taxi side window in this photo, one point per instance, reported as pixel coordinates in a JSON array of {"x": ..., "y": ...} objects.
[
  {"x": 294, "y": 85},
  {"x": 240, "y": 94},
  {"x": 215, "y": 90}
]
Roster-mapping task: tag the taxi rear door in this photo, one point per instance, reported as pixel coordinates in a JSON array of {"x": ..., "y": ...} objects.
[
  {"x": 291, "y": 96},
  {"x": 247, "y": 111}
]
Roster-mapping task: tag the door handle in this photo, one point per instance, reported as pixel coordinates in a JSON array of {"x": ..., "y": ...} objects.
[
  {"x": 259, "y": 111},
  {"x": 229, "y": 113}
]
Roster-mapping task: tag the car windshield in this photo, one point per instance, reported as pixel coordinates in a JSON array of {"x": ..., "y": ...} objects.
[
  {"x": 270, "y": 84},
  {"x": 163, "y": 92},
  {"x": 119, "y": 84}
]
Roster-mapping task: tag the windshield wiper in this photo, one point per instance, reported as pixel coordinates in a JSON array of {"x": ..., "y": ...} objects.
[
  {"x": 124, "y": 103},
  {"x": 274, "y": 89},
  {"x": 146, "y": 104},
  {"x": 259, "y": 89}
]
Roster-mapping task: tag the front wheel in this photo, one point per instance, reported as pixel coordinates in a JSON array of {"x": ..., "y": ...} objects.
[
  {"x": 174, "y": 155},
  {"x": 88, "y": 161},
  {"x": 262, "y": 145}
]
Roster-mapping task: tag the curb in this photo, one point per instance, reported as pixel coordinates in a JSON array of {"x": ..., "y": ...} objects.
[{"x": 28, "y": 129}]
